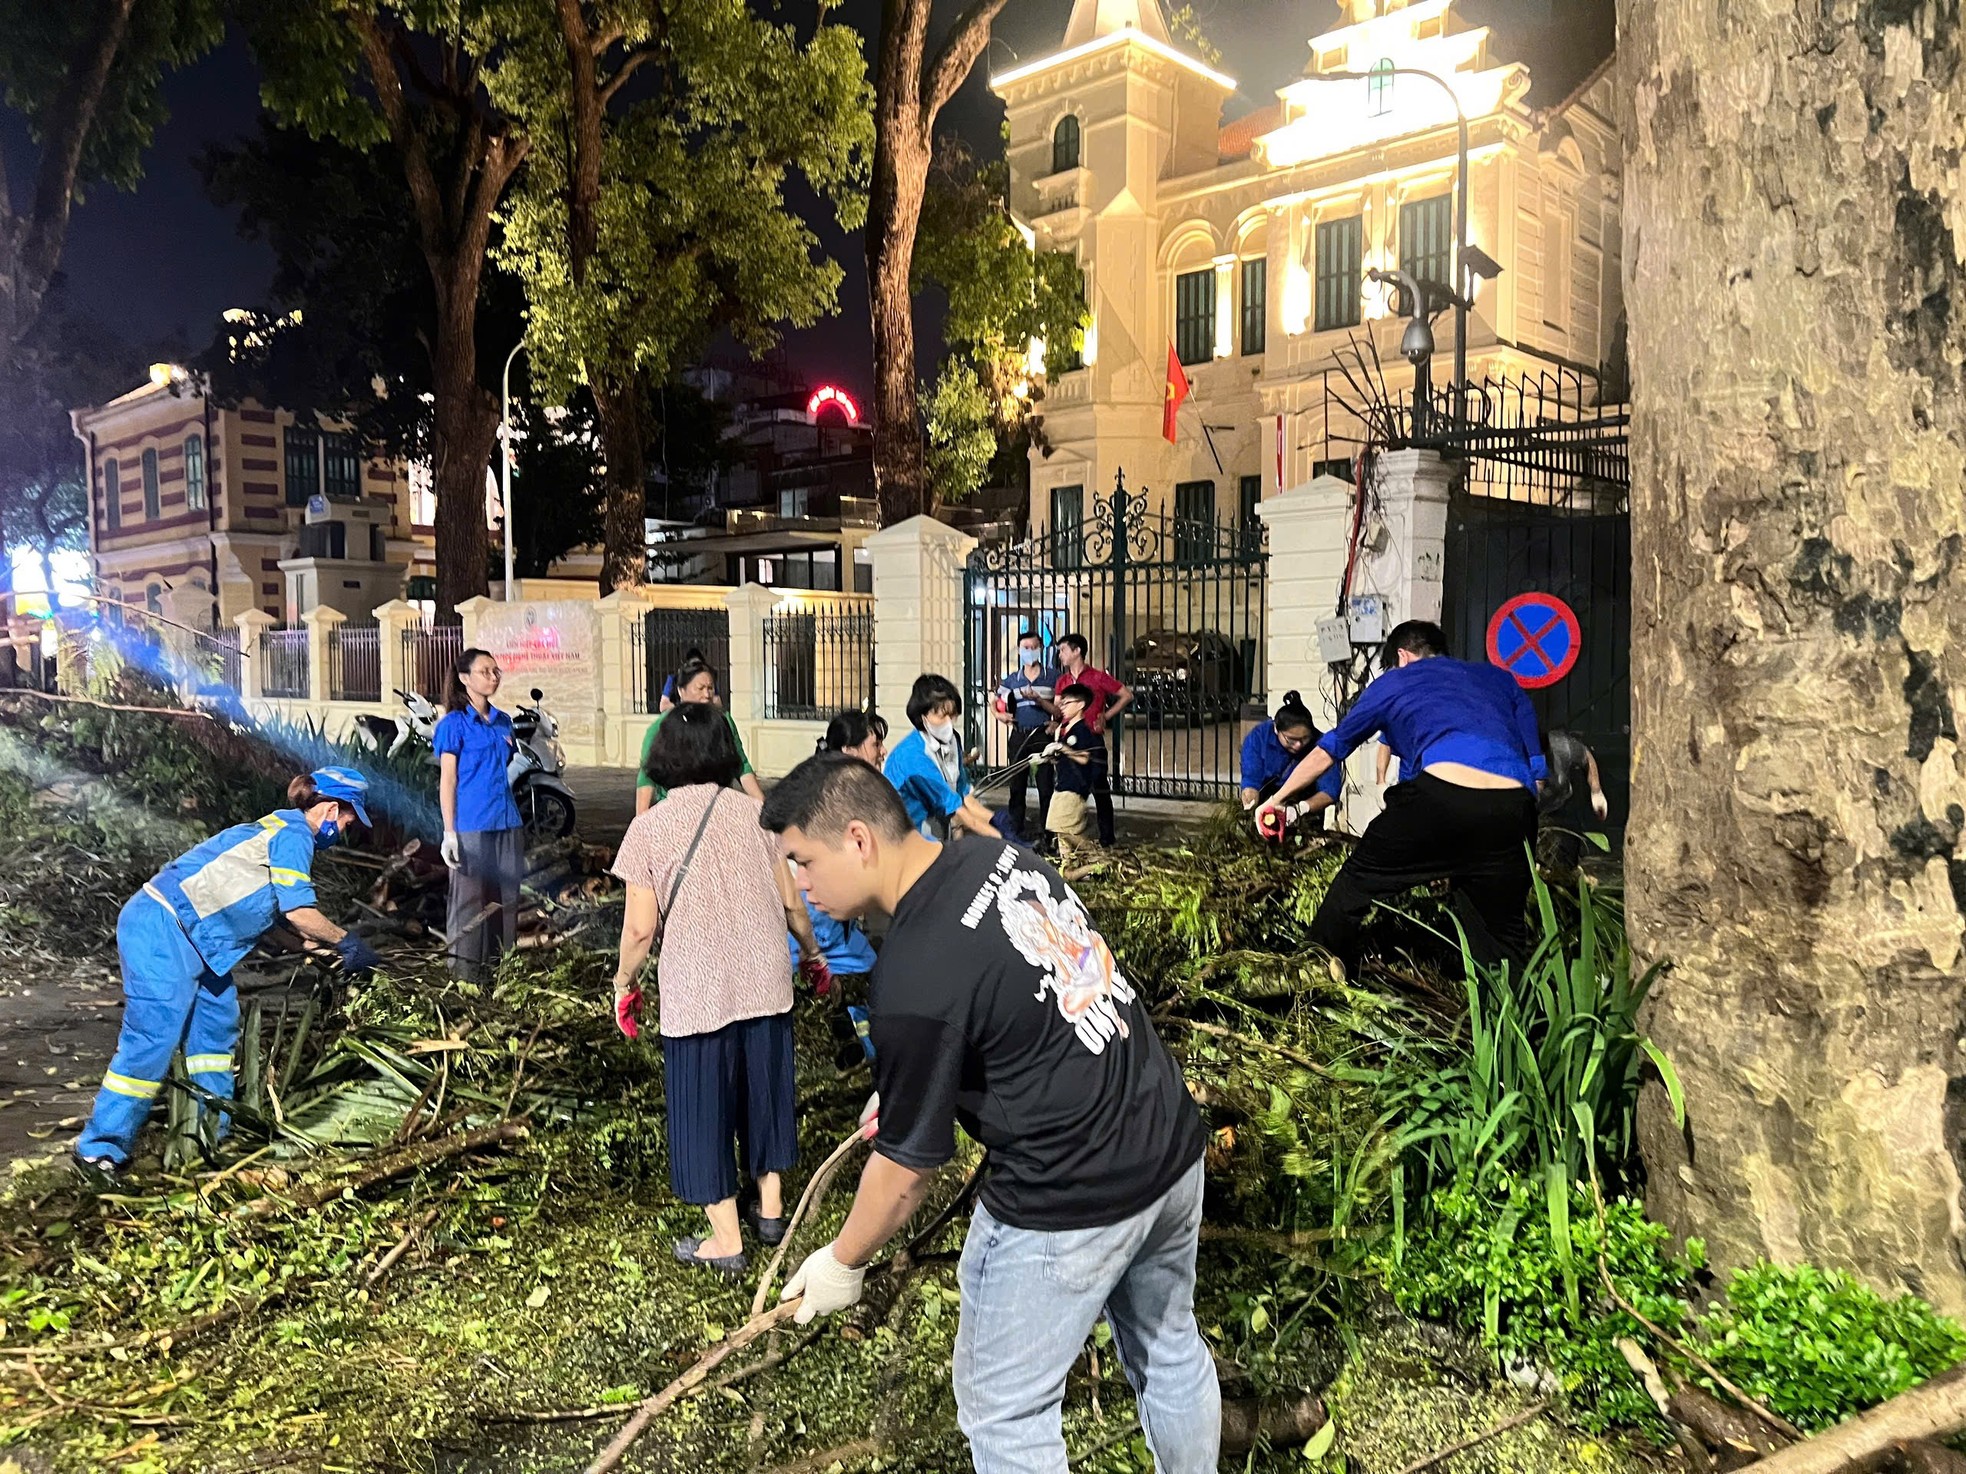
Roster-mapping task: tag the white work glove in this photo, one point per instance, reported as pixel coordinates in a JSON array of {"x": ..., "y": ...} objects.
[
  {"x": 1600, "y": 806},
  {"x": 452, "y": 849},
  {"x": 1056, "y": 750},
  {"x": 825, "y": 1284},
  {"x": 870, "y": 1117}
]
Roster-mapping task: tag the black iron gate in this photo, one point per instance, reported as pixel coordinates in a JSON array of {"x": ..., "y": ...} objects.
[
  {"x": 1545, "y": 508},
  {"x": 1172, "y": 606}
]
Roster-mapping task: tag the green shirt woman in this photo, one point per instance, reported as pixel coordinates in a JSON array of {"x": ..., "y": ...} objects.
[{"x": 696, "y": 681}]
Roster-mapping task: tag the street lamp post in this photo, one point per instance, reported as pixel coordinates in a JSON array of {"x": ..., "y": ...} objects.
[
  {"x": 505, "y": 460},
  {"x": 1460, "y": 211}
]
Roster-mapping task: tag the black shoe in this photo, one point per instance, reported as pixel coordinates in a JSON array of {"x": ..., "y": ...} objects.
[
  {"x": 102, "y": 1174},
  {"x": 770, "y": 1231},
  {"x": 730, "y": 1266}
]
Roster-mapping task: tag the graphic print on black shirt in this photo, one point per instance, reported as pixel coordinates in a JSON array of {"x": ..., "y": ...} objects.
[{"x": 997, "y": 1005}]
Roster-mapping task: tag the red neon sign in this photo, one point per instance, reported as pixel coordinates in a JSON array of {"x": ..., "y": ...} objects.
[{"x": 833, "y": 395}]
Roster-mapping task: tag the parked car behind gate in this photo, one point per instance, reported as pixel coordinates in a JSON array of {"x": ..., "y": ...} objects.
[{"x": 1188, "y": 678}]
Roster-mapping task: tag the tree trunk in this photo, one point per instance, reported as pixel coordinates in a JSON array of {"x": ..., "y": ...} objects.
[
  {"x": 901, "y": 159},
  {"x": 465, "y": 419},
  {"x": 1794, "y": 231},
  {"x": 624, "y": 556}
]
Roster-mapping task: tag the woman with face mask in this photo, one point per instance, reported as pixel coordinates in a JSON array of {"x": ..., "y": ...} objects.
[
  {"x": 926, "y": 766},
  {"x": 180, "y": 937}
]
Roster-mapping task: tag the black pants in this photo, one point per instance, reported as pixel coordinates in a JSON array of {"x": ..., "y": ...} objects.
[
  {"x": 1025, "y": 744},
  {"x": 1435, "y": 830},
  {"x": 1102, "y": 788}
]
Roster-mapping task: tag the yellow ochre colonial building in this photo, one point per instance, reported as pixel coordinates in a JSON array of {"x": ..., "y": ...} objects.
[
  {"x": 1245, "y": 246},
  {"x": 201, "y": 512}
]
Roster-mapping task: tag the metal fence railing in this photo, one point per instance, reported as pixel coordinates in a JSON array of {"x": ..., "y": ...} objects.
[
  {"x": 226, "y": 660},
  {"x": 355, "y": 663},
  {"x": 818, "y": 662},
  {"x": 430, "y": 658},
  {"x": 283, "y": 663},
  {"x": 663, "y": 638}
]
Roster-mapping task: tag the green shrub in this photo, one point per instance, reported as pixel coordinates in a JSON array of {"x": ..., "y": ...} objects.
[
  {"x": 1817, "y": 1347},
  {"x": 1483, "y": 1260}
]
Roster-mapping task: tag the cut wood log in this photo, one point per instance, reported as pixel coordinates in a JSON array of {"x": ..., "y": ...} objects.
[
  {"x": 1935, "y": 1410},
  {"x": 1733, "y": 1436},
  {"x": 1248, "y": 1422}
]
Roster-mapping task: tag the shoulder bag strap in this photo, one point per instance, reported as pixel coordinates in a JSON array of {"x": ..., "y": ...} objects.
[{"x": 689, "y": 854}]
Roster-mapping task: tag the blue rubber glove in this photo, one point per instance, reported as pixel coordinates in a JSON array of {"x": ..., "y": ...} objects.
[{"x": 357, "y": 956}]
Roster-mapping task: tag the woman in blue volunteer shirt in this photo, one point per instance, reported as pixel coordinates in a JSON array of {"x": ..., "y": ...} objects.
[
  {"x": 484, "y": 843},
  {"x": 1271, "y": 752},
  {"x": 926, "y": 766},
  {"x": 180, "y": 937}
]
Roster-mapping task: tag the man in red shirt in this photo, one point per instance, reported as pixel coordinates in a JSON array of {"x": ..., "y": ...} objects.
[{"x": 1109, "y": 698}]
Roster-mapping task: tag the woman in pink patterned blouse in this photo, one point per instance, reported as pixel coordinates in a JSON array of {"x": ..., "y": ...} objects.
[{"x": 707, "y": 879}]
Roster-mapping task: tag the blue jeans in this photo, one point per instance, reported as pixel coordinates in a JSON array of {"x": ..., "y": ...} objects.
[
  {"x": 1029, "y": 1302},
  {"x": 170, "y": 999}
]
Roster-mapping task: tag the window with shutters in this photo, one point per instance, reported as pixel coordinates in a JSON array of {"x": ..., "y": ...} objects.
[
  {"x": 1249, "y": 491},
  {"x": 1065, "y": 144},
  {"x": 1194, "y": 315},
  {"x": 1194, "y": 521},
  {"x": 152, "y": 498},
  {"x": 303, "y": 464},
  {"x": 343, "y": 466},
  {"x": 1426, "y": 242},
  {"x": 1338, "y": 247},
  {"x": 194, "y": 472},
  {"x": 112, "y": 495},
  {"x": 1255, "y": 305},
  {"x": 1068, "y": 526}
]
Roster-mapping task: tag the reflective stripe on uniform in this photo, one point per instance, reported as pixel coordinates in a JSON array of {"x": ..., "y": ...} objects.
[
  {"x": 283, "y": 876},
  {"x": 127, "y": 1085},
  {"x": 208, "y": 1064}
]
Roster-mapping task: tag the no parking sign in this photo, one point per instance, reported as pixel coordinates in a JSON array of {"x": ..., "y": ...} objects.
[{"x": 1536, "y": 639}]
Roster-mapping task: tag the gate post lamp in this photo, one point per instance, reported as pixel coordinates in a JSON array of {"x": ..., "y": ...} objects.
[{"x": 505, "y": 460}]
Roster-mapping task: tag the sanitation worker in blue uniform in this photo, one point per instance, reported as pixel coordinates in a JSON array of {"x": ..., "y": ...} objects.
[{"x": 180, "y": 937}]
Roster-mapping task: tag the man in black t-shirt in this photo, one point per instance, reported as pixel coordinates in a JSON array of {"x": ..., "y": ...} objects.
[{"x": 996, "y": 1006}]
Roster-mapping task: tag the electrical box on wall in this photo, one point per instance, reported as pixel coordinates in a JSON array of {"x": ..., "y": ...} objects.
[
  {"x": 1334, "y": 641},
  {"x": 1368, "y": 619}
]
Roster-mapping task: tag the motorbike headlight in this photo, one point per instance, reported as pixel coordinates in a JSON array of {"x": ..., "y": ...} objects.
[{"x": 1181, "y": 674}]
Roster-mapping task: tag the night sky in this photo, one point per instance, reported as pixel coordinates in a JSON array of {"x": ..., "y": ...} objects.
[{"x": 162, "y": 263}]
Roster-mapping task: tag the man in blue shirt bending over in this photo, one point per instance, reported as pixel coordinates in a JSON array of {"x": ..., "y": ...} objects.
[{"x": 1468, "y": 736}]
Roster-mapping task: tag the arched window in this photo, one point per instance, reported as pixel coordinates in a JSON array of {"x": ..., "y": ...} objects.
[
  {"x": 1065, "y": 144},
  {"x": 1379, "y": 88},
  {"x": 152, "y": 497},
  {"x": 194, "y": 472},
  {"x": 153, "y": 598}
]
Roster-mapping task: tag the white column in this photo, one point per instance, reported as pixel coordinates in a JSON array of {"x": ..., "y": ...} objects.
[
  {"x": 321, "y": 622},
  {"x": 392, "y": 621},
  {"x": 920, "y": 621},
  {"x": 252, "y": 673},
  {"x": 468, "y": 611},
  {"x": 1307, "y": 562},
  {"x": 1406, "y": 566},
  {"x": 748, "y": 607}
]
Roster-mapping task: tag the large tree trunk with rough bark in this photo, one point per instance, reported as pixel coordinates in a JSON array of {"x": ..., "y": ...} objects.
[
  {"x": 465, "y": 429},
  {"x": 910, "y": 89},
  {"x": 618, "y": 407},
  {"x": 901, "y": 158},
  {"x": 1795, "y": 223}
]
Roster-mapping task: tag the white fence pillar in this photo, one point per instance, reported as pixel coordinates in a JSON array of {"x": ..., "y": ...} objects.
[
  {"x": 252, "y": 666},
  {"x": 321, "y": 622},
  {"x": 392, "y": 621},
  {"x": 920, "y": 621},
  {"x": 748, "y": 608}
]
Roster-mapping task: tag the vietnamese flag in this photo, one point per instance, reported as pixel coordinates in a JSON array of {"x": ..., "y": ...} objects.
[{"x": 1178, "y": 390}]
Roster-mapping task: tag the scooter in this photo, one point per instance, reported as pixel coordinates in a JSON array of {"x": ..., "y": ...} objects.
[
  {"x": 538, "y": 761},
  {"x": 390, "y": 735}
]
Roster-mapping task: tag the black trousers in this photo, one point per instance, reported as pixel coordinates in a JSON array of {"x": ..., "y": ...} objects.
[
  {"x": 1025, "y": 744},
  {"x": 1102, "y": 788},
  {"x": 1474, "y": 838}
]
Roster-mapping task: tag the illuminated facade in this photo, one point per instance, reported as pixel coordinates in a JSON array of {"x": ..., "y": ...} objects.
[
  {"x": 200, "y": 512},
  {"x": 1244, "y": 247}
]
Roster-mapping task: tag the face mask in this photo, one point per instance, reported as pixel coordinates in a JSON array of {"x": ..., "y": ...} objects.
[
  {"x": 1032, "y": 657},
  {"x": 939, "y": 731},
  {"x": 327, "y": 834}
]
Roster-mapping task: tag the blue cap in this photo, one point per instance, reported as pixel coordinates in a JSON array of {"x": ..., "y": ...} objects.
[{"x": 344, "y": 784}]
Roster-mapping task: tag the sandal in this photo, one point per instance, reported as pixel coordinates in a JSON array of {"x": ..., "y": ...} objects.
[
  {"x": 730, "y": 1266},
  {"x": 770, "y": 1231}
]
